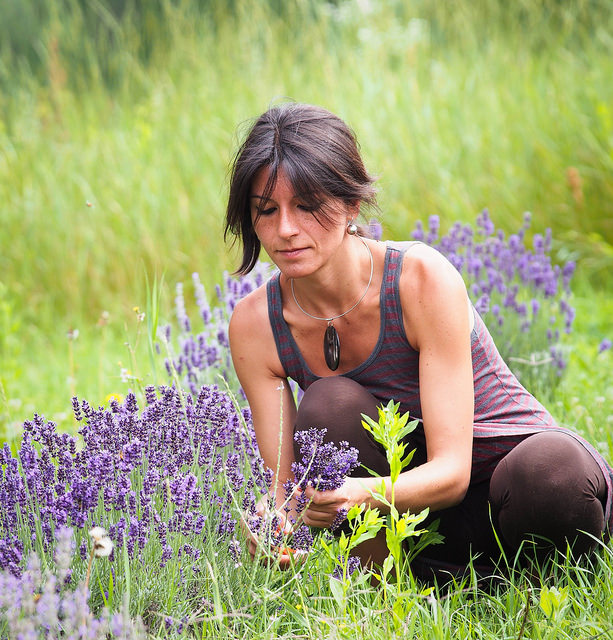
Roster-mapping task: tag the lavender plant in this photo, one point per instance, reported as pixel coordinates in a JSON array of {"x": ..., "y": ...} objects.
[
  {"x": 324, "y": 466},
  {"x": 200, "y": 357},
  {"x": 521, "y": 295},
  {"x": 42, "y": 603},
  {"x": 166, "y": 483}
]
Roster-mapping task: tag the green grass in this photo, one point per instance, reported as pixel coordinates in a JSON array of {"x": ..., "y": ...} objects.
[{"x": 482, "y": 105}]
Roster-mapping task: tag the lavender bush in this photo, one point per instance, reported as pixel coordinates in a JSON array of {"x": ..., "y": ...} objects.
[
  {"x": 521, "y": 295},
  {"x": 169, "y": 482},
  {"x": 199, "y": 357},
  {"x": 166, "y": 482},
  {"x": 39, "y": 603},
  {"x": 139, "y": 474}
]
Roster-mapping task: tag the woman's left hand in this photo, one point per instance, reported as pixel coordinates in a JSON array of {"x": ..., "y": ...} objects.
[{"x": 323, "y": 506}]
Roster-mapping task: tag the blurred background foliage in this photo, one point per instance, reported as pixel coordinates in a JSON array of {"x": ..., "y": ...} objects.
[{"x": 118, "y": 120}]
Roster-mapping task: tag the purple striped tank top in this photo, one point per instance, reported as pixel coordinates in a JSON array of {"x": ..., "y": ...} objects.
[{"x": 505, "y": 413}]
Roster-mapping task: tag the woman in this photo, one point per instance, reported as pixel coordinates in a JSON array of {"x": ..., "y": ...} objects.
[{"x": 356, "y": 323}]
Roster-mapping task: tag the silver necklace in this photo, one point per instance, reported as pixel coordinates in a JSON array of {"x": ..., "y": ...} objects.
[{"x": 332, "y": 343}]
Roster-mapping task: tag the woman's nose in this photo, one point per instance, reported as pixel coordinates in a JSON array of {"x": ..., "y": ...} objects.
[{"x": 287, "y": 223}]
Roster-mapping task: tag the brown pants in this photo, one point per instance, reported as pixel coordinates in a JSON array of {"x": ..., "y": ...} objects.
[{"x": 546, "y": 492}]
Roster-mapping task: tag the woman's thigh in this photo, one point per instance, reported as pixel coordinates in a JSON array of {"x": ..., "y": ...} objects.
[{"x": 549, "y": 488}]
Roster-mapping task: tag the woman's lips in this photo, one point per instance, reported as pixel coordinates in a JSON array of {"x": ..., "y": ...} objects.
[{"x": 291, "y": 253}]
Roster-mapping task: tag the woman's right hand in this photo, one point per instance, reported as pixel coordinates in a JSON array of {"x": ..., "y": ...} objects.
[{"x": 282, "y": 554}]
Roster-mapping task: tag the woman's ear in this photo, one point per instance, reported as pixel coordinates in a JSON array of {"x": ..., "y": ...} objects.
[{"x": 353, "y": 210}]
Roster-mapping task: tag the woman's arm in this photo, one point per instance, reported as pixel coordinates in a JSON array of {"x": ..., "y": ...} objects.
[
  {"x": 272, "y": 405},
  {"x": 263, "y": 380},
  {"x": 438, "y": 323}
]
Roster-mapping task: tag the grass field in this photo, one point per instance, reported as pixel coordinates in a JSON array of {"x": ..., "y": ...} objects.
[
  {"x": 116, "y": 131},
  {"x": 113, "y": 163}
]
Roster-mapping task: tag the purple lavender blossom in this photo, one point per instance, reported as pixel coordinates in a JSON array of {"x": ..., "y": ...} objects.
[
  {"x": 353, "y": 564},
  {"x": 133, "y": 475},
  {"x": 605, "y": 345},
  {"x": 302, "y": 538},
  {"x": 198, "y": 358},
  {"x": 324, "y": 465},
  {"x": 341, "y": 516},
  {"x": 514, "y": 288}
]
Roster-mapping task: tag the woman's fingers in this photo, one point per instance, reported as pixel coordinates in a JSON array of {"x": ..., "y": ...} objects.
[{"x": 283, "y": 555}]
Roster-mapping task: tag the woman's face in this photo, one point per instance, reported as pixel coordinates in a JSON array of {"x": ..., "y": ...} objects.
[{"x": 289, "y": 232}]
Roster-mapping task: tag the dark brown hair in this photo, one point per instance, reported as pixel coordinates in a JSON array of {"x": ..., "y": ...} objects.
[{"x": 318, "y": 153}]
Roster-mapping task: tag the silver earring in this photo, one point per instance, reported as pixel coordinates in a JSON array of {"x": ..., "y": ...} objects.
[{"x": 352, "y": 228}]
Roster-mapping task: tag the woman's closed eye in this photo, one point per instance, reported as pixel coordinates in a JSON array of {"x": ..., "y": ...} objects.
[
  {"x": 266, "y": 211},
  {"x": 306, "y": 208}
]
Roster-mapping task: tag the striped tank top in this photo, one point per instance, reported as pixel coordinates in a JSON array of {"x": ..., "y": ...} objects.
[{"x": 505, "y": 413}]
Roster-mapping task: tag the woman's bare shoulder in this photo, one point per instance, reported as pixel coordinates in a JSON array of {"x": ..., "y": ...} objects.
[
  {"x": 425, "y": 267},
  {"x": 250, "y": 315},
  {"x": 252, "y": 341},
  {"x": 433, "y": 295}
]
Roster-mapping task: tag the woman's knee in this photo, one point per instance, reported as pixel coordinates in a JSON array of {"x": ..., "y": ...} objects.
[
  {"x": 549, "y": 487},
  {"x": 336, "y": 404}
]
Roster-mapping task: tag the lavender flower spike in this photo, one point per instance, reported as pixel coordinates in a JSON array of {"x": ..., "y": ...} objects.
[
  {"x": 605, "y": 345},
  {"x": 322, "y": 464}
]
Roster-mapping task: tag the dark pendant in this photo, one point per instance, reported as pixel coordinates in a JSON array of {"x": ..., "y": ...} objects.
[{"x": 332, "y": 348}]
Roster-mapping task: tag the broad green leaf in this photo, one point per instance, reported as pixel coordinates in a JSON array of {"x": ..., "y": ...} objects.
[
  {"x": 546, "y": 602},
  {"x": 336, "y": 587},
  {"x": 354, "y": 511},
  {"x": 367, "y": 535},
  {"x": 388, "y": 563}
]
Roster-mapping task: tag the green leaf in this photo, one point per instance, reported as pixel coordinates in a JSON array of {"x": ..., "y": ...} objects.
[
  {"x": 355, "y": 511},
  {"x": 368, "y": 423},
  {"x": 336, "y": 587},
  {"x": 381, "y": 488},
  {"x": 408, "y": 429},
  {"x": 552, "y": 600},
  {"x": 401, "y": 527},
  {"x": 400, "y": 422},
  {"x": 393, "y": 543},
  {"x": 388, "y": 563},
  {"x": 372, "y": 473},
  {"x": 407, "y": 460},
  {"x": 394, "y": 512},
  {"x": 546, "y": 602},
  {"x": 366, "y": 535},
  {"x": 395, "y": 469},
  {"x": 327, "y": 549},
  {"x": 380, "y": 497}
]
